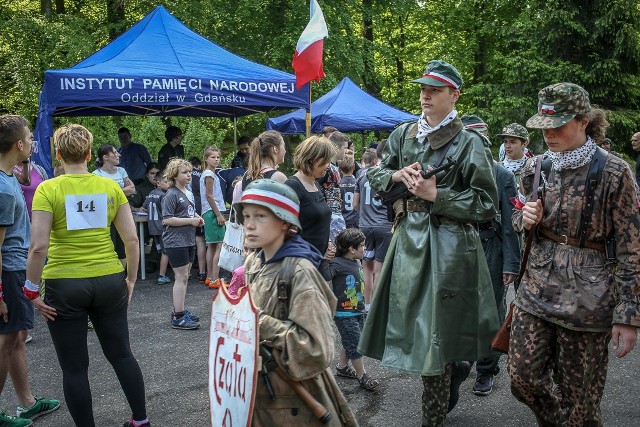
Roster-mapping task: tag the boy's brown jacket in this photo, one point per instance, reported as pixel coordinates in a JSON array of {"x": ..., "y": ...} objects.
[{"x": 302, "y": 345}]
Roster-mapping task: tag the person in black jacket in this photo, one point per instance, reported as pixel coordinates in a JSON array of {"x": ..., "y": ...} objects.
[
  {"x": 173, "y": 147},
  {"x": 242, "y": 156}
]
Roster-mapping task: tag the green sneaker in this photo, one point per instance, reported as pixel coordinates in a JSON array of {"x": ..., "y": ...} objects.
[
  {"x": 9, "y": 421},
  {"x": 41, "y": 407}
]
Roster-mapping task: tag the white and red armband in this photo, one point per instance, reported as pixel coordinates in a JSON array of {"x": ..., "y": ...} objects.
[
  {"x": 518, "y": 201},
  {"x": 31, "y": 290}
]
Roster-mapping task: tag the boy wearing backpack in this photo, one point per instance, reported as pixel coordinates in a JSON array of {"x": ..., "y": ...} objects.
[{"x": 296, "y": 304}]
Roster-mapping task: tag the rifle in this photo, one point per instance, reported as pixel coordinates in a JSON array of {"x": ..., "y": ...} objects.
[
  {"x": 269, "y": 364},
  {"x": 399, "y": 190}
]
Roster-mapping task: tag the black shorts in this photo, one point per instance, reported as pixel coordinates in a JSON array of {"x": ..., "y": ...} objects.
[
  {"x": 20, "y": 308},
  {"x": 376, "y": 242},
  {"x": 179, "y": 257},
  {"x": 350, "y": 328},
  {"x": 200, "y": 231},
  {"x": 73, "y": 298}
]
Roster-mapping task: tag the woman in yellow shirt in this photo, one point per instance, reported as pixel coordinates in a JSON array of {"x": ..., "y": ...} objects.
[{"x": 72, "y": 215}]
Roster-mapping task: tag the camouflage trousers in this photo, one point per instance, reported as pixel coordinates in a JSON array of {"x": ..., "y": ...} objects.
[
  {"x": 558, "y": 373},
  {"x": 435, "y": 398}
]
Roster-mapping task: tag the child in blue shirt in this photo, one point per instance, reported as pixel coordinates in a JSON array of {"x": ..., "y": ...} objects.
[{"x": 345, "y": 274}]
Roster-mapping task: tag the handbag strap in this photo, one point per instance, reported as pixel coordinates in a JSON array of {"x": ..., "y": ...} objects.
[
  {"x": 532, "y": 231},
  {"x": 233, "y": 214}
]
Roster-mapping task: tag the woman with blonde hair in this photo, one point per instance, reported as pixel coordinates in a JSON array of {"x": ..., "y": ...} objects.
[
  {"x": 312, "y": 159},
  {"x": 213, "y": 208},
  {"x": 72, "y": 214}
]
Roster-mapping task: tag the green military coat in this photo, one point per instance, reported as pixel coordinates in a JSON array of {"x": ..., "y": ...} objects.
[{"x": 434, "y": 301}]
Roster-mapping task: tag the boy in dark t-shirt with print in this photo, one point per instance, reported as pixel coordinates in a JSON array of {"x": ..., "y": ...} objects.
[
  {"x": 153, "y": 206},
  {"x": 345, "y": 273},
  {"x": 348, "y": 185}
]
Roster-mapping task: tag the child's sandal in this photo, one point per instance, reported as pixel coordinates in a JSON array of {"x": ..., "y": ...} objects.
[
  {"x": 368, "y": 383},
  {"x": 347, "y": 372}
]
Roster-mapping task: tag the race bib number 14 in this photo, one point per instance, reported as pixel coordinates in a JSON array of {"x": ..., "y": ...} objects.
[{"x": 85, "y": 211}]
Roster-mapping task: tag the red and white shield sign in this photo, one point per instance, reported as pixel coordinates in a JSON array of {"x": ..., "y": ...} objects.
[{"x": 233, "y": 354}]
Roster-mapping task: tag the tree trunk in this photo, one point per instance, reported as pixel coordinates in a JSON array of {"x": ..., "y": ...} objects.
[
  {"x": 398, "y": 57},
  {"x": 115, "y": 17},
  {"x": 369, "y": 77},
  {"x": 45, "y": 8},
  {"x": 60, "y": 7}
]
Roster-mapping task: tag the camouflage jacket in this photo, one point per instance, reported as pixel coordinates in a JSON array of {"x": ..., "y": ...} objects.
[{"x": 576, "y": 287}]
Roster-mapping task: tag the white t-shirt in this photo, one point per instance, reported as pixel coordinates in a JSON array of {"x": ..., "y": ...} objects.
[
  {"x": 118, "y": 176},
  {"x": 217, "y": 192}
]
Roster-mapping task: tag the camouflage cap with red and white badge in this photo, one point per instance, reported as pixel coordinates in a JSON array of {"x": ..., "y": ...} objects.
[{"x": 558, "y": 104}]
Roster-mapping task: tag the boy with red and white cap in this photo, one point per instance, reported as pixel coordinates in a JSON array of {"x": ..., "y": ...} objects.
[{"x": 294, "y": 318}]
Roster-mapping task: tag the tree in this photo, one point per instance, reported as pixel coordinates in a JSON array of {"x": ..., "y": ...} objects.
[{"x": 506, "y": 50}]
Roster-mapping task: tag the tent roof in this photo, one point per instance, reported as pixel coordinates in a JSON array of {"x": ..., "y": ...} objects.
[
  {"x": 346, "y": 107},
  {"x": 160, "y": 56}
]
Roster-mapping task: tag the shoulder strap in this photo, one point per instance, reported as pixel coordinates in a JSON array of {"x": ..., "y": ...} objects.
[
  {"x": 594, "y": 176},
  {"x": 285, "y": 276},
  {"x": 444, "y": 152},
  {"x": 532, "y": 231}
]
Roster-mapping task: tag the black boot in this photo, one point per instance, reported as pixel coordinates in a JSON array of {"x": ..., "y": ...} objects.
[{"x": 459, "y": 372}]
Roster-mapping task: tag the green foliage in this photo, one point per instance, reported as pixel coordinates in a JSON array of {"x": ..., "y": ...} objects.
[{"x": 506, "y": 50}]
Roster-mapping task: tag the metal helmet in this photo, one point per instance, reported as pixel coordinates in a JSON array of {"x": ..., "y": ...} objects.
[{"x": 277, "y": 197}]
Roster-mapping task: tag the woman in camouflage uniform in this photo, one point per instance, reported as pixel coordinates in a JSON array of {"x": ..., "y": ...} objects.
[{"x": 574, "y": 297}]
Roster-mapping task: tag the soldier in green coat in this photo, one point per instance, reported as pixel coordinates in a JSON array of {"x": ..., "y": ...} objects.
[{"x": 434, "y": 305}]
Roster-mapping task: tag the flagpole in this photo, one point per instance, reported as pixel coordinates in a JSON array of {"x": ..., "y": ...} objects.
[{"x": 307, "y": 120}]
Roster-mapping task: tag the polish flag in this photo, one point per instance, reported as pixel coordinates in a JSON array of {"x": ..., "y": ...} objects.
[{"x": 307, "y": 61}]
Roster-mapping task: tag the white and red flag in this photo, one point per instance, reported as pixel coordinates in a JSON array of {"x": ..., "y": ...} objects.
[{"x": 307, "y": 61}]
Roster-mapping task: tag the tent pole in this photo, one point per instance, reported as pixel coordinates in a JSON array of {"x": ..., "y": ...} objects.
[
  {"x": 235, "y": 129},
  {"x": 307, "y": 120}
]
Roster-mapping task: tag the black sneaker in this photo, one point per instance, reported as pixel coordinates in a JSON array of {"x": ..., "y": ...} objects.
[
  {"x": 483, "y": 385},
  {"x": 459, "y": 372}
]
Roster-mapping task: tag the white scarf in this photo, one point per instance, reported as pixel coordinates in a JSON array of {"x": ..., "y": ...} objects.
[
  {"x": 514, "y": 165},
  {"x": 575, "y": 158},
  {"x": 425, "y": 130}
]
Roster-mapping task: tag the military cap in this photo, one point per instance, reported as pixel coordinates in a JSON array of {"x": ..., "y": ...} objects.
[
  {"x": 515, "y": 130},
  {"x": 558, "y": 104},
  {"x": 440, "y": 73},
  {"x": 474, "y": 122},
  {"x": 275, "y": 196}
]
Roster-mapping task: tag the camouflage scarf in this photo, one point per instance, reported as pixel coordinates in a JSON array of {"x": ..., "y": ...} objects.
[
  {"x": 575, "y": 158},
  {"x": 425, "y": 130}
]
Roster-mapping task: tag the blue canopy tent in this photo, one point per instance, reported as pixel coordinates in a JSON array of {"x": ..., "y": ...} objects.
[
  {"x": 161, "y": 67},
  {"x": 346, "y": 107}
]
